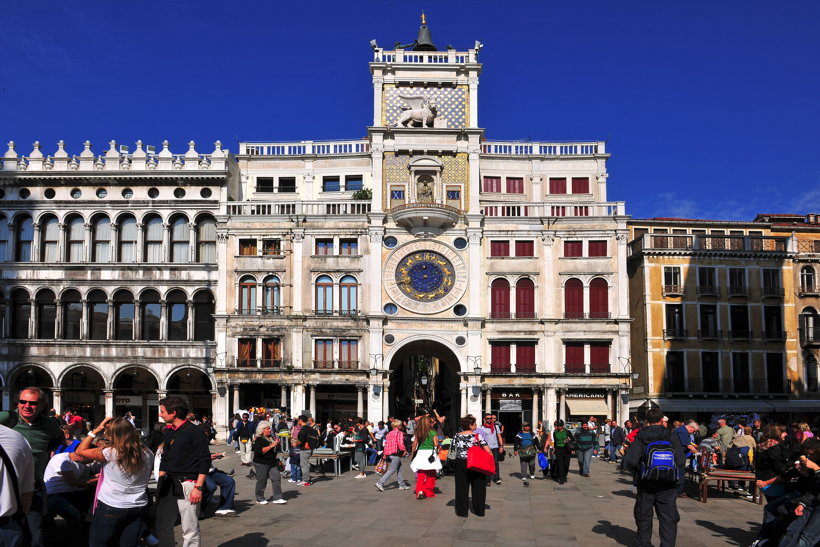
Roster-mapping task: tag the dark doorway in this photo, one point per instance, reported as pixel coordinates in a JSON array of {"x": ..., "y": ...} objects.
[
  {"x": 425, "y": 376},
  {"x": 512, "y": 424}
]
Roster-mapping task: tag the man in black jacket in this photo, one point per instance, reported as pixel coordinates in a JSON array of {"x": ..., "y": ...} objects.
[
  {"x": 652, "y": 495},
  {"x": 616, "y": 441}
]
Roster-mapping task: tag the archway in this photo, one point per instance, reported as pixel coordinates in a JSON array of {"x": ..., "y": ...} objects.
[
  {"x": 31, "y": 376},
  {"x": 193, "y": 385},
  {"x": 81, "y": 390},
  {"x": 424, "y": 375},
  {"x": 135, "y": 391}
]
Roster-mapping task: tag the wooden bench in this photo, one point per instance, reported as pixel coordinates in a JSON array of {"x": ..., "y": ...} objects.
[{"x": 721, "y": 476}]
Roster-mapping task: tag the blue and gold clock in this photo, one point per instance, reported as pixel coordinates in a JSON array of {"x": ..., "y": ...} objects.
[{"x": 425, "y": 276}]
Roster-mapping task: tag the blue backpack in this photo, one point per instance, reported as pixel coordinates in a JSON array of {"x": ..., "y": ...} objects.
[{"x": 658, "y": 463}]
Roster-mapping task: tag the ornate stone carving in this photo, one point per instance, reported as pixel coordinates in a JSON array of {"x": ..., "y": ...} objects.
[{"x": 417, "y": 110}]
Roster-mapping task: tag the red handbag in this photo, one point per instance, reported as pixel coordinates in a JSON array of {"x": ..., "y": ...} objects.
[{"x": 480, "y": 460}]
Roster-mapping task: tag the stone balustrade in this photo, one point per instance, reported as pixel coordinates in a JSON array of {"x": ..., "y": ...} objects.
[
  {"x": 400, "y": 56},
  {"x": 304, "y": 148},
  {"x": 116, "y": 159},
  {"x": 513, "y": 148}
]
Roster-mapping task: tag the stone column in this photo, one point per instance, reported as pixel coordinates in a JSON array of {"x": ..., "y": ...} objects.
[
  {"x": 163, "y": 320},
  {"x": 297, "y": 398},
  {"x": 373, "y": 262},
  {"x": 477, "y": 282},
  {"x": 109, "y": 321},
  {"x": 33, "y": 316},
  {"x": 84, "y": 320},
  {"x": 60, "y": 242},
  {"x": 35, "y": 243},
  {"x": 359, "y": 401},
  {"x": 87, "y": 251},
  {"x": 57, "y": 400},
  {"x": 192, "y": 242},
  {"x": 378, "y": 84},
  {"x": 166, "y": 242},
  {"x": 283, "y": 390},
  {"x": 463, "y": 390},
  {"x": 622, "y": 409},
  {"x": 109, "y": 402},
  {"x": 535, "y": 409},
  {"x": 58, "y": 320},
  {"x": 137, "y": 329},
  {"x": 473, "y": 102},
  {"x": 385, "y": 396},
  {"x": 113, "y": 246},
  {"x": 313, "y": 401},
  {"x": 377, "y": 158},
  {"x": 297, "y": 276},
  {"x": 190, "y": 325},
  {"x": 562, "y": 405},
  {"x": 140, "y": 250},
  {"x": 488, "y": 401},
  {"x": 235, "y": 395},
  {"x": 549, "y": 406},
  {"x": 610, "y": 405},
  {"x": 548, "y": 285}
]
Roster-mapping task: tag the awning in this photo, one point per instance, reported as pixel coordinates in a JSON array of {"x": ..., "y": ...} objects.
[
  {"x": 712, "y": 405},
  {"x": 806, "y": 405},
  {"x": 587, "y": 407}
]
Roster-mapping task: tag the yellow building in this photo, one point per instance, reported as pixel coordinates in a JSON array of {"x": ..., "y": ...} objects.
[{"x": 715, "y": 312}]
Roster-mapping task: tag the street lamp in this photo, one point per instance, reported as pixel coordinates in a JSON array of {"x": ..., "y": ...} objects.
[
  {"x": 476, "y": 361},
  {"x": 626, "y": 365}
]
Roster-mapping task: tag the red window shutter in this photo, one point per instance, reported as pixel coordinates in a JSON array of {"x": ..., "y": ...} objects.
[
  {"x": 558, "y": 186},
  {"x": 525, "y": 299},
  {"x": 515, "y": 186},
  {"x": 574, "y": 299},
  {"x": 580, "y": 186},
  {"x": 499, "y": 248},
  {"x": 525, "y": 357},
  {"x": 574, "y": 357},
  {"x": 597, "y": 248},
  {"x": 599, "y": 357},
  {"x": 598, "y": 299},
  {"x": 500, "y": 299},
  {"x": 500, "y": 355},
  {"x": 524, "y": 248},
  {"x": 573, "y": 248},
  {"x": 492, "y": 184}
]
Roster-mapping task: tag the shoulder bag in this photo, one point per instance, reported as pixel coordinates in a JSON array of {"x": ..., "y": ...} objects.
[{"x": 479, "y": 459}]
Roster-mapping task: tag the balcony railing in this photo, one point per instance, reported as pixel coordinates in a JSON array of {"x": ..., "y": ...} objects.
[
  {"x": 258, "y": 363},
  {"x": 336, "y": 365},
  {"x": 562, "y": 209},
  {"x": 771, "y": 291},
  {"x": 512, "y": 148},
  {"x": 738, "y": 290},
  {"x": 807, "y": 290},
  {"x": 687, "y": 242},
  {"x": 709, "y": 334},
  {"x": 590, "y": 315},
  {"x": 512, "y": 315},
  {"x": 739, "y": 386},
  {"x": 809, "y": 336},
  {"x": 669, "y": 334},
  {"x": 264, "y": 310},
  {"x": 708, "y": 290},
  {"x": 497, "y": 368},
  {"x": 304, "y": 148},
  {"x": 739, "y": 334},
  {"x": 336, "y": 313},
  {"x": 298, "y": 207},
  {"x": 673, "y": 290},
  {"x": 774, "y": 335},
  {"x": 598, "y": 368}
]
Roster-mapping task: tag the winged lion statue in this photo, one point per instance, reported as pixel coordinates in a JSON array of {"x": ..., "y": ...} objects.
[{"x": 416, "y": 110}]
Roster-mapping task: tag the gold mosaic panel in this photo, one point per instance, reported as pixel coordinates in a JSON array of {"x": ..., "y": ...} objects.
[
  {"x": 452, "y": 103},
  {"x": 455, "y": 171}
]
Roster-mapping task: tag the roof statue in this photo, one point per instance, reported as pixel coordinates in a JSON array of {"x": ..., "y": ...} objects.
[{"x": 417, "y": 109}]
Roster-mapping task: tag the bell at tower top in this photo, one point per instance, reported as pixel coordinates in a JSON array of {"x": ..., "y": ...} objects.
[{"x": 424, "y": 42}]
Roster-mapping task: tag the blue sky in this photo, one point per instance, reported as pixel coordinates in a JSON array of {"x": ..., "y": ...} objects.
[{"x": 710, "y": 109}]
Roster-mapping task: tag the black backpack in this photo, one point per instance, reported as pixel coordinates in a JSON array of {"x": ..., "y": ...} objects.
[
  {"x": 311, "y": 438},
  {"x": 735, "y": 458}
]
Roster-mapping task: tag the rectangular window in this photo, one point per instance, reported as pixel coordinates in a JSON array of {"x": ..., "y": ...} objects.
[
  {"x": 150, "y": 320},
  {"x": 264, "y": 185},
  {"x": 599, "y": 357},
  {"x": 331, "y": 184},
  {"x": 324, "y": 246},
  {"x": 46, "y": 317},
  {"x": 73, "y": 314},
  {"x": 597, "y": 248},
  {"x": 524, "y": 248},
  {"x": 707, "y": 281},
  {"x": 287, "y": 185},
  {"x": 675, "y": 376},
  {"x": 573, "y": 249},
  {"x": 247, "y": 352},
  {"x": 177, "y": 321},
  {"x": 525, "y": 357},
  {"x": 558, "y": 186},
  {"x": 710, "y": 370},
  {"x": 51, "y": 235},
  {"x": 499, "y": 248},
  {"x": 271, "y": 352},
  {"x": 674, "y": 321},
  {"x": 153, "y": 242},
  {"x": 353, "y": 183},
  {"x": 492, "y": 184},
  {"x": 740, "y": 372},
  {"x": 349, "y": 354},
  {"x": 739, "y": 321},
  {"x": 98, "y": 321},
  {"x": 76, "y": 238},
  {"x": 247, "y": 247},
  {"x": 671, "y": 280},
  {"x": 580, "y": 185},
  {"x": 574, "y": 358},
  {"x": 772, "y": 323},
  {"x": 708, "y": 321},
  {"x": 500, "y": 357},
  {"x": 737, "y": 280},
  {"x": 124, "y": 321},
  {"x": 348, "y": 247},
  {"x": 515, "y": 185},
  {"x": 771, "y": 281},
  {"x": 323, "y": 357},
  {"x": 271, "y": 247},
  {"x": 774, "y": 373}
]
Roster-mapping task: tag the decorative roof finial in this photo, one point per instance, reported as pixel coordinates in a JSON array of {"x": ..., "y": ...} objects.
[{"x": 423, "y": 20}]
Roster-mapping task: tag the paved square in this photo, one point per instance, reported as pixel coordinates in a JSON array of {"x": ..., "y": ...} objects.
[{"x": 584, "y": 511}]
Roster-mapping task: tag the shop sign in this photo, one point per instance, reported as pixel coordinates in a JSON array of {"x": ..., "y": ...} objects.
[
  {"x": 586, "y": 394},
  {"x": 336, "y": 396},
  {"x": 509, "y": 405},
  {"x": 124, "y": 400},
  {"x": 511, "y": 394}
]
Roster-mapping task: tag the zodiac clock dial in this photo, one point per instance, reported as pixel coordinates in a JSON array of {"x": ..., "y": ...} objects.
[{"x": 425, "y": 276}]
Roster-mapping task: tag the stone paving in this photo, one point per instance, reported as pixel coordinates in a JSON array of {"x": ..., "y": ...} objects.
[{"x": 584, "y": 511}]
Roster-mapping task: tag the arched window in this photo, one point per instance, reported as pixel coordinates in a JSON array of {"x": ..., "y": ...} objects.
[
  {"x": 180, "y": 240},
  {"x": 20, "y": 314},
  {"x": 247, "y": 295},
  {"x": 75, "y": 239},
  {"x": 204, "y": 316},
  {"x": 127, "y": 234},
  {"x": 500, "y": 299},
  {"x": 150, "y": 312},
  {"x": 46, "y": 314},
  {"x": 49, "y": 240},
  {"x": 153, "y": 239},
  {"x": 573, "y": 299},
  {"x": 177, "y": 306},
  {"x": 348, "y": 296},
  {"x": 324, "y": 295},
  {"x": 811, "y": 372},
  {"x": 206, "y": 240},
  {"x": 809, "y": 326},
  {"x": 4, "y": 238},
  {"x": 123, "y": 315},
  {"x": 72, "y": 314},
  {"x": 272, "y": 298},
  {"x": 101, "y": 239},
  {"x": 598, "y": 299},
  {"x": 97, "y": 315},
  {"x": 808, "y": 279},
  {"x": 525, "y": 299},
  {"x": 25, "y": 234}
]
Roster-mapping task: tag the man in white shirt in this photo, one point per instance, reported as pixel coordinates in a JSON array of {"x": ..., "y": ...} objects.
[{"x": 18, "y": 452}]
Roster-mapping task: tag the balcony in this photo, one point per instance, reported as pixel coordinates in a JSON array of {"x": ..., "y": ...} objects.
[
  {"x": 738, "y": 290},
  {"x": 709, "y": 334},
  {"x": 687, "y": 243},
  {"x": 673, "y": 334},
  {"x": 768, "y": 291},
  {"x": 708, "y": 290},
  {"x": 253, "y": 362},
  {"x": 336, "y": 313},
  {"x": 739, "y": 386},
  {"x": 770, "y": 335},
  {"x": 512, "y": 315},
  {"x": 809, "y": 290},
  {"x": 552, "y": 209},
  {"x": 673, "y": 290},
  {"x": 264, "y": 310},
  {"x": 596, "y": 368},
  {"x": 809, "y": 336},
  {"x": 416, "y": 217},
  {"x": 591, "y": 315},
  {"x": 336, "y": 365},
  {"x": 291, "y": 207},
  {"x": 739, "y": 334},
  {"x": 517, "y": 148},
  {"x": 304, "y": 148}
]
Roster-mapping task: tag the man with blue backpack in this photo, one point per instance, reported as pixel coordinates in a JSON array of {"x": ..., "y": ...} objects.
[{"x": 655, "y": 458}]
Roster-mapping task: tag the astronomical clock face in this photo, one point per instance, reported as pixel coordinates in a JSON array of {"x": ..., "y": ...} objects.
[{"x": 425, "y": 276}]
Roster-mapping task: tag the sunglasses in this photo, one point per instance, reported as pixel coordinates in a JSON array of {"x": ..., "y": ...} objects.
[{"x": 24, "y": 402}]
